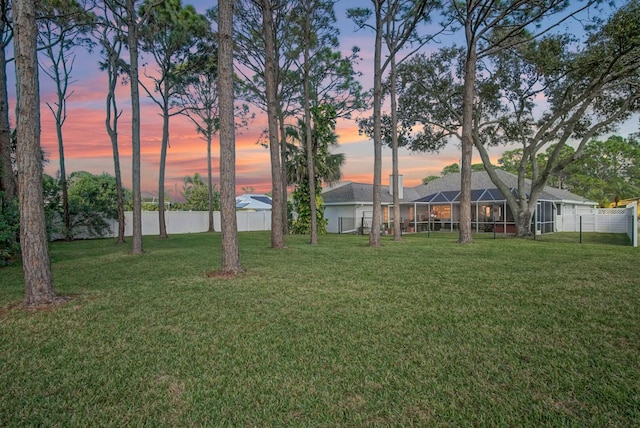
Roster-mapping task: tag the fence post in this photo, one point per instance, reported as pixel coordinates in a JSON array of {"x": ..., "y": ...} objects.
[
  {"x": 494, "y": 227},
  {"x": 581, "y": 229}
]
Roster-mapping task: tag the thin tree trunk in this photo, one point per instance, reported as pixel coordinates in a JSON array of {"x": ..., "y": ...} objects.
[
  {"x": 36, "y": 264},
  {"x": 210, "y": 183},
  {"x": 277, "y": 239},
  {"x": 132, "y": 37},
  {"x": 60, "y": 73},
  {"x": 311, "y": 175},
  {"x": 113, "y": 49},
  {"x": 230, "y": 246},
  {"x": 68, "y": 233},
  {"x": 8, "y": 183},
  {"x": 282, "y": 147},
  {"x": 283, "y": 173},
  {"x": 61, "y": 79},
  {"x": 163, "y": 162},
  {"x": 397, "y": 235},
  {"x": 467, "y": 141},
  {"x": 111, "y": 123},
  {"x": 376, "y": 221},
  {"x": 120, "y": 193}
]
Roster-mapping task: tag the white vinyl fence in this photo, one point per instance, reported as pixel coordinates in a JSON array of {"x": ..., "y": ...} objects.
[
  {"x": 605, "y": 220},
  {"x": 632, "y": 223},
  {"x": 179, "y": 222},
  {"x": 192, "y": 222}
]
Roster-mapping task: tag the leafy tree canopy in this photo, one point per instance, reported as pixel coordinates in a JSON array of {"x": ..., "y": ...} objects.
[{"x": 607, "y": 170}]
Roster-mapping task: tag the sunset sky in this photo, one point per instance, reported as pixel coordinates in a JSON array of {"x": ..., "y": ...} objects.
[{"x": 87, "y": 145}]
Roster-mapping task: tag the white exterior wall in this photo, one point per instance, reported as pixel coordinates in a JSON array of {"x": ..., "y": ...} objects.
[
  {"x": 333, "y": 213},
  {"x": 353, "y": 211}
]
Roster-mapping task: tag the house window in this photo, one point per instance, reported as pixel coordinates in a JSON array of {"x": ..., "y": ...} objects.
[
  {"x": 444, "y": 212},
  {"x": 486, "y": 213}
]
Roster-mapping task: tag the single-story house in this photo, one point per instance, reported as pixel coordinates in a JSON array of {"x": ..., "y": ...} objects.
[{"x": 436, "y": 205}]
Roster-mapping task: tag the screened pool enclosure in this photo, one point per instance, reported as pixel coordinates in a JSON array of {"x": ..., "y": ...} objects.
[
  {"x": 490, "y": 212},
  {"x": 436, "y": 206}
]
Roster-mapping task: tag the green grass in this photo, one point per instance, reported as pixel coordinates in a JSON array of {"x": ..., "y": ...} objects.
[{"x": 422, "y": 332}]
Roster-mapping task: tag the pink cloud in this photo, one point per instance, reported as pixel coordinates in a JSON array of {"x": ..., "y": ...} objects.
[{"x": 88, "y": 147}]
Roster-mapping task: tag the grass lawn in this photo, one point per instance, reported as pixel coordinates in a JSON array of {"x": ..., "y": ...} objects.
[{"x": 422, "y": 332}]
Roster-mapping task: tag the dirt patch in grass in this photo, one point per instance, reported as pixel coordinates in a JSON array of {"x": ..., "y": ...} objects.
[
  {"x": 57, "y": 301},
  {"x": 218, "y": 274}
]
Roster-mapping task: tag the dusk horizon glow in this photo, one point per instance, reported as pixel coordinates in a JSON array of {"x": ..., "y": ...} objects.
[{"x": 88, "y": 147}]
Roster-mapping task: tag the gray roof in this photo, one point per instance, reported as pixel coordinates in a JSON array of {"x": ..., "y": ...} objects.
[
  {"x": 363, "y": 193},
  {"x": 349, "y": 192}
]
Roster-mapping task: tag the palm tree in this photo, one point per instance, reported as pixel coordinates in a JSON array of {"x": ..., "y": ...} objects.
[
  {"x": 328, "y": 166},
  {"x": 190, "y": 182}
]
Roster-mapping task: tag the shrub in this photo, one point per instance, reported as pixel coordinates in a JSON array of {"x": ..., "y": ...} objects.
[{"x": 9, "y": 230}]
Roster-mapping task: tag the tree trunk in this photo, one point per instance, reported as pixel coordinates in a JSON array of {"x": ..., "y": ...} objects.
[
  {"x": 36, "y": 264},
  {"x": 119, "y": 191},
  {"x": 210, "y": 183},
  {"x": 132, "y": 38},
  {"x": 376, "y": 221},
  {"x": 230, "y": 247},
  {"x": 68, "y": 233},
  {"x": 397, "y": 235},
  {"x": 112, "y": 56},
  {"x": 8, "y": 183},
  {"x": 59, "y": 72},
  {"x": 277, "y": 239},
  {"x": 283, "y": 173},
  {"x": 523, "y": 221},
  {"x": 163, "y": 162},
  {"x": 112, "y": 130},
  {"x": 280, "y": 121},
  {"x": 467, "y": 140},
  {"x": 311, "y": 175},
  {"x": 520, "y": 206}
]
